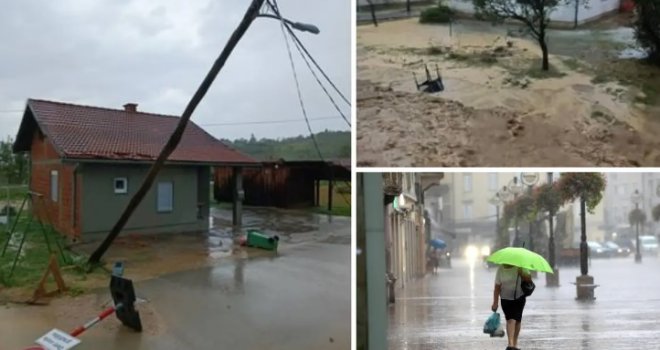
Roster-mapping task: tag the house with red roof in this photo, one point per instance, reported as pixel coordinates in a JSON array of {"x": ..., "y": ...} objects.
[{"x": 87, "y": 162}]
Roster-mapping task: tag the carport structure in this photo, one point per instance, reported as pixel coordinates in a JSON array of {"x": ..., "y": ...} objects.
[{"x": 283, "y": 184}]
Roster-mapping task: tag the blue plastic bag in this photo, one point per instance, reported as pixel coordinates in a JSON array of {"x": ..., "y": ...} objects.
[{"x": 492, "y": 323}]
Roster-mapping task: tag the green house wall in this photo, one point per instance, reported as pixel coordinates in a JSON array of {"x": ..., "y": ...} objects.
[{"x": 101, "y": 206}]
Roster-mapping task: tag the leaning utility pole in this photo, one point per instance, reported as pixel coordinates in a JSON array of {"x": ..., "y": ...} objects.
[{"x": 251, "y": 13}]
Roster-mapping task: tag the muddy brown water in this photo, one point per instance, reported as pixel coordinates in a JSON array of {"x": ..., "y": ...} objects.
[{"x": 561, "y": 121}]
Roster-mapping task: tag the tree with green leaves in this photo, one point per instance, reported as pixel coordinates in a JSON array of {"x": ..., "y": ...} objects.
[
  {"x": 534, "y": 14},
  {"x": 647, "y": 27},
  {"x": 13, "y": 167}
]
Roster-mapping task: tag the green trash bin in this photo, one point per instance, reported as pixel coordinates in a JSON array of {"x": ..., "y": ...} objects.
[{"x": 257, "y": 239}]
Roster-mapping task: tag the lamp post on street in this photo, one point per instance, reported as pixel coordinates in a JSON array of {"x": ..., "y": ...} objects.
[
  {"x": 636, "y": 198},
  {"x": 303, "y": 27},
  {"x": 515, "y": 188}
]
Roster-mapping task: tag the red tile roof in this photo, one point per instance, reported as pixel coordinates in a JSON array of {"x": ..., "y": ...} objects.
[{"x": 86, "y": 132}]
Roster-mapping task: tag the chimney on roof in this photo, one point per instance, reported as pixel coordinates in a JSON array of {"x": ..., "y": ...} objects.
[{"x": 130, "y": 107}]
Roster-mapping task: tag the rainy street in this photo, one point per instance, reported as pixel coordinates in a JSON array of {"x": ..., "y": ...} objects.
[
  {"x": 591, "y": 240},
  {"x": 448, "y": 310}
]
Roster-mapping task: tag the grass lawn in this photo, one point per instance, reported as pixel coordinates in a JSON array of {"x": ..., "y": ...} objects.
[
  {"x": 34, "y": 258},
  {"x": 341, "y": 202},
  {"x": 12, "y": 193}
]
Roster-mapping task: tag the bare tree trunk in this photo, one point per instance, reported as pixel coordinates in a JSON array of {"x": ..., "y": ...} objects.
[
  {"x": 372, "y": 8},
  {"x": 546, "y": 63},
  {"x": 544, "y": 48},
  {"x": 173, "y": 142}
]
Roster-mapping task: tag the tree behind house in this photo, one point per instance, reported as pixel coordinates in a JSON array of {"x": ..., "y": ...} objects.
[
  {"x": 13, "y": 167},
  {"x": 534, "y": 14}
]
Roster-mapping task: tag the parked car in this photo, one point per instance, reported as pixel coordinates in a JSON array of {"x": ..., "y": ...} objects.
[
  {"x": 596, "y": 250},
  {"x": 617, "y": 250},
  {"x": 648, "y": 245}
]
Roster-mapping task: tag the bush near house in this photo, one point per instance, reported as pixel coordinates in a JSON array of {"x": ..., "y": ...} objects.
[{"x": 437, "y": 14}]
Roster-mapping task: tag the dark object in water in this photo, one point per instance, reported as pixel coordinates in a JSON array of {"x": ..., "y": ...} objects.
[
  {"x": 430, "y": 85},
  {"x": 123, "y": 294}
]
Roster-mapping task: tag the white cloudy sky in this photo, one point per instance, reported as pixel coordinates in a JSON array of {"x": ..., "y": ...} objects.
[{"x": 156, "y": 52}]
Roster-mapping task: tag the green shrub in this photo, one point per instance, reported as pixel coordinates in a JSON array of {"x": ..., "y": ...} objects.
[{"x": 436, "y": 14}]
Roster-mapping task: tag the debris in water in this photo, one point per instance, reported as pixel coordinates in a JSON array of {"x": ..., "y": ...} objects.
[{"x": 430, "y": 85}]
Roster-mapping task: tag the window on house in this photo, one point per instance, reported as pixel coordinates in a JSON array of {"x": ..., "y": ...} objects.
[
  {"x": 165, "y": 200},
  {"x": 467, "y": 183},
  {"x": 492, "y": 181},
  {"x": 54, "y": 185},
  {"x": 121, "y": 185}
]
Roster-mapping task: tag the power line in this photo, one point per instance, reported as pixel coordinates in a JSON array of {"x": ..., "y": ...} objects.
[
  {"x": 273, "y": 6},
  {"x": 293, "y": 34},
  {"x": 281, "y": 121},
  {"x": 320, "y": 83}
]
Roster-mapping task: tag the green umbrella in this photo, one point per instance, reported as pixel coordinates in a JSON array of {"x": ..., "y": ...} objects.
[{"x": 520, "y": 257}]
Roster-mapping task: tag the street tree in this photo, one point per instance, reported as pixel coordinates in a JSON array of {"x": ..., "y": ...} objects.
[
  {"x": 588, "y": 188},
  {"x": 372, "y": 9},
  {"x": 636, "y": 217},
  {"x": 647, "y": 27},
  {"x": 533, "y": 14}
]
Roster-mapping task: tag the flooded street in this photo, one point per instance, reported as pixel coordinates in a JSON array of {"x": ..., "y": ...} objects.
[
  {"x": 222, "y": 296},
  {"x": 448, "y": 310},
  {"x": 578, "y": 114}
]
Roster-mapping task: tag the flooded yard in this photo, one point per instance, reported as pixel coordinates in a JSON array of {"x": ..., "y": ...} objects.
[
  {"x": 592, "y": 109},
  {"x": 205, "y": 291}
]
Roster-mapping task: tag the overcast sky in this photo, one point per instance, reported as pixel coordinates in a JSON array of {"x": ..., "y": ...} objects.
[{"x": 156, "y": 52}]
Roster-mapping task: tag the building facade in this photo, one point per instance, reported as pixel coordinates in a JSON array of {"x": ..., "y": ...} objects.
[
  {"x": 404, "y": 231},
  {"x": 81, "y": 185},
  {"x": 618, "y": 202}
]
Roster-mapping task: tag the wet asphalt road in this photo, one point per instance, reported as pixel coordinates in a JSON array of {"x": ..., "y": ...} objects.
[
  {"x": 299, "y": 299},
  {"x": 448, "y": 310}
]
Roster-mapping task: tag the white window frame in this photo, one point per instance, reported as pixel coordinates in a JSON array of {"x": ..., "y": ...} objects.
[
  {"x": 468, "y": 210},
  {"x": 164, "y": 209},
  {"x": 120, "y": 190},
  {"x": 492, "y": 181},
  {"x": 54, "y": 186},
  {"x": 467, "y": 183}
]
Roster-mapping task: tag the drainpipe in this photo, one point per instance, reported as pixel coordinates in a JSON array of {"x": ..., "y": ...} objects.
[
  {"x": 74, "y": 209},
  {"x": 577, "y": 6}
]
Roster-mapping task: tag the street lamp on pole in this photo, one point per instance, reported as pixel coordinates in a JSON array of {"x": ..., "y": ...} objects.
[
  {"x": 303, "y": 27},
  {"x": 636, "y": 198},
  {"x": 515, "y": 188}
]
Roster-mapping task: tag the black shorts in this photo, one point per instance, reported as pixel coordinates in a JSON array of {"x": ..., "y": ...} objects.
[{"x": 513, "y": 309}]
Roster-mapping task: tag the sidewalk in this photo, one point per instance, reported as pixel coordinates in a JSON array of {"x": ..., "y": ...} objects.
[{"x": 447, "y": 311}]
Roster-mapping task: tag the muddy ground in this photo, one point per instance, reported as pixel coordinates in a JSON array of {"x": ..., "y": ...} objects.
[
  {"x": 498, "y": 108},
  {"x": 203, "y": 290}
]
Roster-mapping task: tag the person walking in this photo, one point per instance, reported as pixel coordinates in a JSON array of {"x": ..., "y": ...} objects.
[{"x": 508, "y": 290}]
